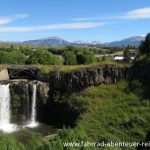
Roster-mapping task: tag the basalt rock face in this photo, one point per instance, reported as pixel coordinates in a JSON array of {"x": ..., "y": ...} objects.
[
  {"x": 21, "y": 96},
  {"x": 23, "y": 72},
  {"x": 82, "y": 78}
]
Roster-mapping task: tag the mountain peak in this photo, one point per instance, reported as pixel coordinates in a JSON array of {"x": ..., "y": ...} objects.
[
  {"x": 134, "y": 40},
  {"x": 50, "y": 41}
]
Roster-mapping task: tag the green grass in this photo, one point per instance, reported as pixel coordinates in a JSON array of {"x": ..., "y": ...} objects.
[
  {"x": 112, "y": 114},
  {"x": 67, "y": 68}
]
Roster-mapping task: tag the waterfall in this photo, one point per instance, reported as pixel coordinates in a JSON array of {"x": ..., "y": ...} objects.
[
  {"x": 5, "y": 111},
  {"x": 33, "y": 122},
  {"x": 33, "y": 110},
  {"x": 4, "y": 105}
]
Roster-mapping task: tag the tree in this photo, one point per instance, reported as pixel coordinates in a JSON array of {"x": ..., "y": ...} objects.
[
  {"x": 12, "y": 47},
  {"x": 145, "y": 46},
  {"x": 43, "y": 57},
  {"x": 13, "y": 57},
  {"x": 142, "y": 47},
  {"x": 70, "y": 58},
  {"x": 126, "y": 54}
]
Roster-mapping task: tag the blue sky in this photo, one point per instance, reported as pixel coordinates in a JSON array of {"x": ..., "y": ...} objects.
[{"x": 101, "y": 20}]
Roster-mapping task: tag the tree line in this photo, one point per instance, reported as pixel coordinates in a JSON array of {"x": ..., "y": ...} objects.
[{"x": 68, "y": 56}]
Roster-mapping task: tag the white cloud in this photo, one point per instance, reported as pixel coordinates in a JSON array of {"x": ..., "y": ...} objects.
[
  {"x": 142, "y": 13},
  {"x": 51, "y": 27},
  {"x": 84, "y": 19},
  {"x": 136, "y": 14},
  {"x": 6, "y": 20}
]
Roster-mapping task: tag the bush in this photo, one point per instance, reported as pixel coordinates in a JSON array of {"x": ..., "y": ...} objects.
[
  {"x": 35, "y": 143},
  {"x": 69, "y": 135},
  {"x": 70, "y": 58},
  {"x": 13, "y": 57},
  {"x": 78, "y": 55},
  {"x": 126, "y": 54},
  {"x": 43, "y": 57},
  {"x": 136, "y": 87},
  {"x": 145, "y": 46},
  {"x": 85, "y": 58},
  {"x": 9, "y": 143}
]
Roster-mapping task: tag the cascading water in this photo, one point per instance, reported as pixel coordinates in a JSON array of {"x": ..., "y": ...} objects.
[
  {"x": 33, "y": 122},
  {"x": 5, "y": 111},
  {"x": 4, "y": 105}
]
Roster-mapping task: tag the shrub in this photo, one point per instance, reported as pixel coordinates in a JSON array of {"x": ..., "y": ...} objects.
[
  {"x": 13, "y": 57},
  {"x": 70, "y": 58},
  {"x": 85, "y": 58},
  {"x": 9, "y": 143},
  {"x": 43, "y": 57}
]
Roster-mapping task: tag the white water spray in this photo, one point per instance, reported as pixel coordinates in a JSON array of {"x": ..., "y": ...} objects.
[
  {"x": 33, "y": 122},
  {"x": 5, "y": 111}
]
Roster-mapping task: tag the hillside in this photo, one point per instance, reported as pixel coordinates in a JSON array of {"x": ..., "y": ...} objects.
[
  {"x": 135, "y": 40},
  {"x": 57, "y": 41},
  {"x": 51, "y": 41}
]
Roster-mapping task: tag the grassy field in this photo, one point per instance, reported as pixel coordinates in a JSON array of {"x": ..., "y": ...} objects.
[{"x": 112, "y": 114}]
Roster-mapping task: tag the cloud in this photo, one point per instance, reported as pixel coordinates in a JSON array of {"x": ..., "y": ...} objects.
[
  {"x": 6, "y": 20},
  {"x": 142, "y": 13},
  {"x": 136, "y": 14},
  {"x": 84, "y": 19},
  {"x": 51, "y": 27}
]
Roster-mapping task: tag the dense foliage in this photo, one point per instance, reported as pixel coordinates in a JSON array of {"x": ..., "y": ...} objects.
[
  {"x": 43, "y": 57},
  {"x": 127, "y": 54},
  {"x": 70, "y": 58},
  {"x": 13, "y": 57},
  {"x": 9, "y": 143},
  {"x": 145, "y": 46},
  {"x": 76, "y": 55}
]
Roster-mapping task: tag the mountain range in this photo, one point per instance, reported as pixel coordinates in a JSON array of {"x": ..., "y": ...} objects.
[
  {"x": 134, "y": 40},
  {"x": 51, "y": 41},
  {"x": 57, "y": 41}
]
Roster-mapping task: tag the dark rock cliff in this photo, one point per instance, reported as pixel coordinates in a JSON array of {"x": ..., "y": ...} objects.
[
  {"x": 82, "y": 78},
  {"x": 23, "y": 72}
]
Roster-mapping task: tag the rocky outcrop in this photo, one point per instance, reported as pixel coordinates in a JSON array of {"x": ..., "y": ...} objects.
[
  {"x": 23, "y": 72},
  {"x": 82, "y": 78}
]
